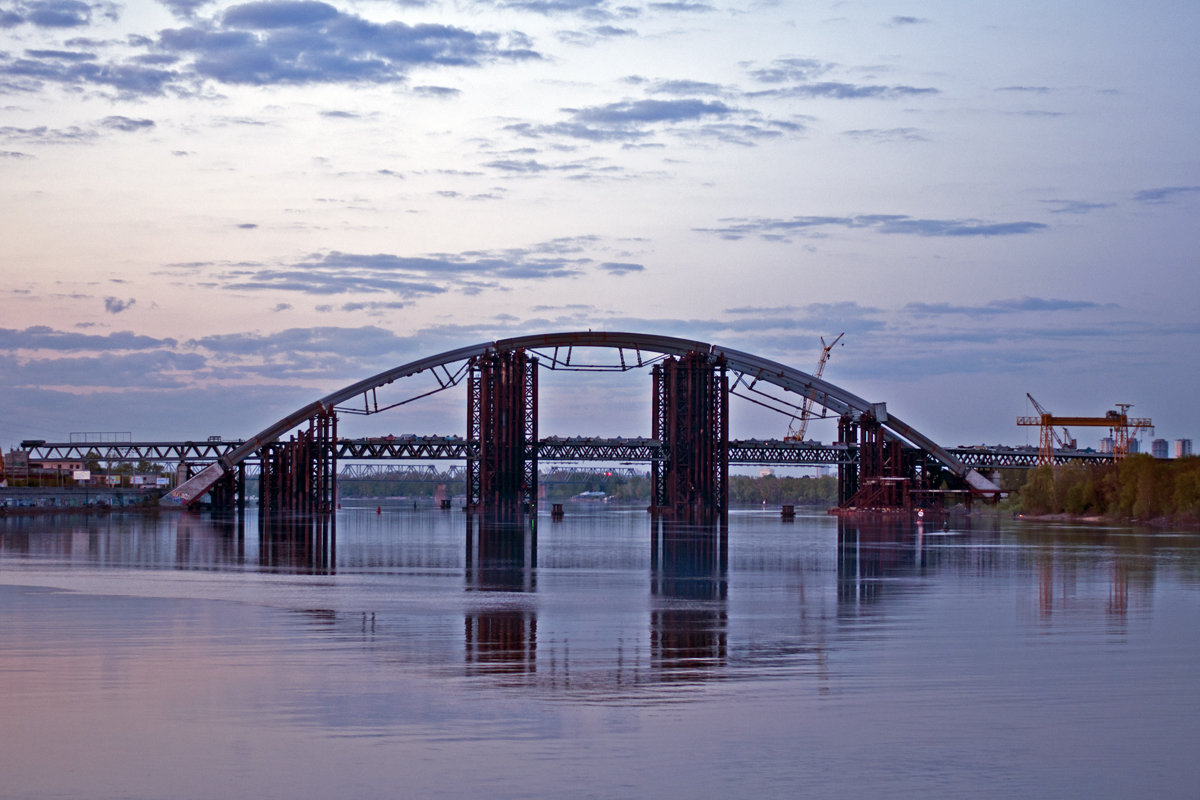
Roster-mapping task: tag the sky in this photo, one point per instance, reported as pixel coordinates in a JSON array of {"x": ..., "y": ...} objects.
[{"x": 213, "y": 213}]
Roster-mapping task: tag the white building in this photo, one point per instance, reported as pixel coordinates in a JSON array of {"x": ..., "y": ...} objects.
[{"x": 1183, "y": 447}]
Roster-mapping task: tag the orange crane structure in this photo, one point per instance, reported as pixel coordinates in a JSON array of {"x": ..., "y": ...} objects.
[
  {"x": 1121, "y": 426},
  {"x": 797, "y": 434}
]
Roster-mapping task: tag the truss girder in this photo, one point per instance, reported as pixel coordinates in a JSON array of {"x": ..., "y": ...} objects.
[
  {"x": 764, "y": 452},
  {"x": 759, "y": 452}
]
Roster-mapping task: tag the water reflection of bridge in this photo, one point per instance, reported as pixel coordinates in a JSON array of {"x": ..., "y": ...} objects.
[{"x": 687, "y": 631}]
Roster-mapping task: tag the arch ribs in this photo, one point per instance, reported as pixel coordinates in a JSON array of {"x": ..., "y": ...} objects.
[{"x": 558, "y": 350}]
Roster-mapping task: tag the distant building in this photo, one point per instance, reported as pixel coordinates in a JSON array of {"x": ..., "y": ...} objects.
[
  {"x": 1183, "y": 447},
  {"x": 1106, "y": 444},
  {"x": 1159, "y": 448},
  {"x": 1135, "y": 446}
]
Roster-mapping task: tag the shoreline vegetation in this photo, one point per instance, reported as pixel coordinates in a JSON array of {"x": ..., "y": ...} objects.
[
  {"x": 744, "y": 490},
  {"x": 1139, "y": 489}
]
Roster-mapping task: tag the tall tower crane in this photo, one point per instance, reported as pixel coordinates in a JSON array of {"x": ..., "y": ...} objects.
[
  {"x": 797, "y": 434},
  {"x": 1120, "y": 425}
]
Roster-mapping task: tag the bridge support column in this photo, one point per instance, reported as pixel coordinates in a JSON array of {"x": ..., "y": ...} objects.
[
  {"x": 502, "y": 433},
  {"x": 848, "y": 473},
  {"x": 885, "y": 478},
  {"x": 299, "y": 476},
  {"x": 691, "y": 419}
]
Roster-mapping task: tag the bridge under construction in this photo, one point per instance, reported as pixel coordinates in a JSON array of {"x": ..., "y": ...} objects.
[{"x": 882, "y": 463}]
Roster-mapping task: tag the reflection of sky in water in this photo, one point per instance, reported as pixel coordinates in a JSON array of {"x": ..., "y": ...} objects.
[{"x": 399, "y": 656}]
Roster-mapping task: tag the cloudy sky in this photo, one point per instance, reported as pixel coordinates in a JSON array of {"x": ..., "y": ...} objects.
[{"x": 215, "y": 212}]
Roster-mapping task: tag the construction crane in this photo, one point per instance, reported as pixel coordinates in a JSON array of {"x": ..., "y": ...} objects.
[
  {"x": 797, "y": 434},
  {"x": 1064, "y": 442},
  {"x": 1120, "y": 425}
]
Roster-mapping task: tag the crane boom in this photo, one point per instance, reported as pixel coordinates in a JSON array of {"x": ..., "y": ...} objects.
[
  {"x": 806, "y": 408},
  {"x": 1119, "y": 423}
]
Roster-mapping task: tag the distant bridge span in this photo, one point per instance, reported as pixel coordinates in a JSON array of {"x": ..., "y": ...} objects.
[{"x": 557, "y": 351}]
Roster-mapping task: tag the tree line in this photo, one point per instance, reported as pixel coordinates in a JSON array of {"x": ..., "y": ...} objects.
[
  {"x": 743, "y": 489},
  {"x": 1137, "y": 487}
]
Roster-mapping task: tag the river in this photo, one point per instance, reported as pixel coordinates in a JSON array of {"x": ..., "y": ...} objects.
[{"x": 410, "y": 653}]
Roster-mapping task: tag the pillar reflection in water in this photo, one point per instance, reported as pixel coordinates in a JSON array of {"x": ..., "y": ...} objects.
[
  {"x": 304, "y": 543},
  {"x": 872, "y": 549},
  {"x": 501, "y": 557},
  {"x": 688, "y": 578},
  {"x": 209, "y": 542}
]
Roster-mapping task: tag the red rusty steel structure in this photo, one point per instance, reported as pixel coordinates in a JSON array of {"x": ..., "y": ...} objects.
[
  {"x": 887, "y": 474},
  {"x": 561, "y": 351},
  {"x": 762, "y": 452},
  {"x": 502, "y": 419},
  {"x": 691, "y": 419},
  {"x": 299, "y": 476}
]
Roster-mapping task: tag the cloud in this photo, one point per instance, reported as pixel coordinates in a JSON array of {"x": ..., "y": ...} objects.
[
  {"x": 126, "y": 124},
  {"x": 1165, "y": 194},
  {"x": 45, "y": 135},
  {"x": 1027, "y": 89},
  {"x": 629, "y": 112},
  {"x": 42, "y": 337},
  {"x": 681, "y": 87},
  {"x": 900, "y": 21},
  {"x": 587, "y": 37},
  {"x": 887, "y": 135},
  {"x": 588, "y": 9},
  {"x": 436, "y": 92},
  {"x": 373, "y": 307},
  {"x": 619, "y": 268},
  {"x": 263, "y": 43},
  {"x": 633, "y": 121},
  {"x": 295, "y": 342},
  {"x": 307, "y": 42},
  {"x": 684, "y": 8},
  {"x": 836, "y": 90},
  {"x": 1075, "y": 206},
  {"x": 54, "y": 13},
  {"x": 114, "y": 305},
  {"x": 1007, "y": 306},
  {"x": 408, "y": 278},
  {"x": 185, "y": 9},
  {"x": 784, "y": 229},
  {"x": 75, "y": 69},
  {"x": 797, "y": 78},
  {"x": 788, "y": 70},
  {"x": 823, "y": 318},
  {"x": 153, "y": 369}
]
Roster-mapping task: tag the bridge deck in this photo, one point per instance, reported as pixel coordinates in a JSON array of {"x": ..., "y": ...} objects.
[{"x": 758, "y": 452}]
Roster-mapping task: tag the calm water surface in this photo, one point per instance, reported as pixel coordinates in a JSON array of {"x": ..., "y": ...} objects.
[{"x": 410, "y": 655}]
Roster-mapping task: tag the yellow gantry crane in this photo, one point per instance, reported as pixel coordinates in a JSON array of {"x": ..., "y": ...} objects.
[
  {"x": 795, "y": 434},
  {"x": 1121, "y": 426}
]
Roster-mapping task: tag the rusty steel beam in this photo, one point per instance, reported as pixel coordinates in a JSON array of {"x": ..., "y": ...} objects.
[
  {"x": 691, "y": 419},
  {"x": 502, "y": 426}
]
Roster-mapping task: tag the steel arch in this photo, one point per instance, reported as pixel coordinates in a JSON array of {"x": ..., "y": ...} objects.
[{"x": 828, "y": 395}]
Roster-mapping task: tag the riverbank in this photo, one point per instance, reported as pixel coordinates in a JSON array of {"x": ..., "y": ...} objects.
[
  {"x": 1184, "y": 523},
  {"x": 1136, "y": 490},
  {"x": 26, "y": 501}
]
